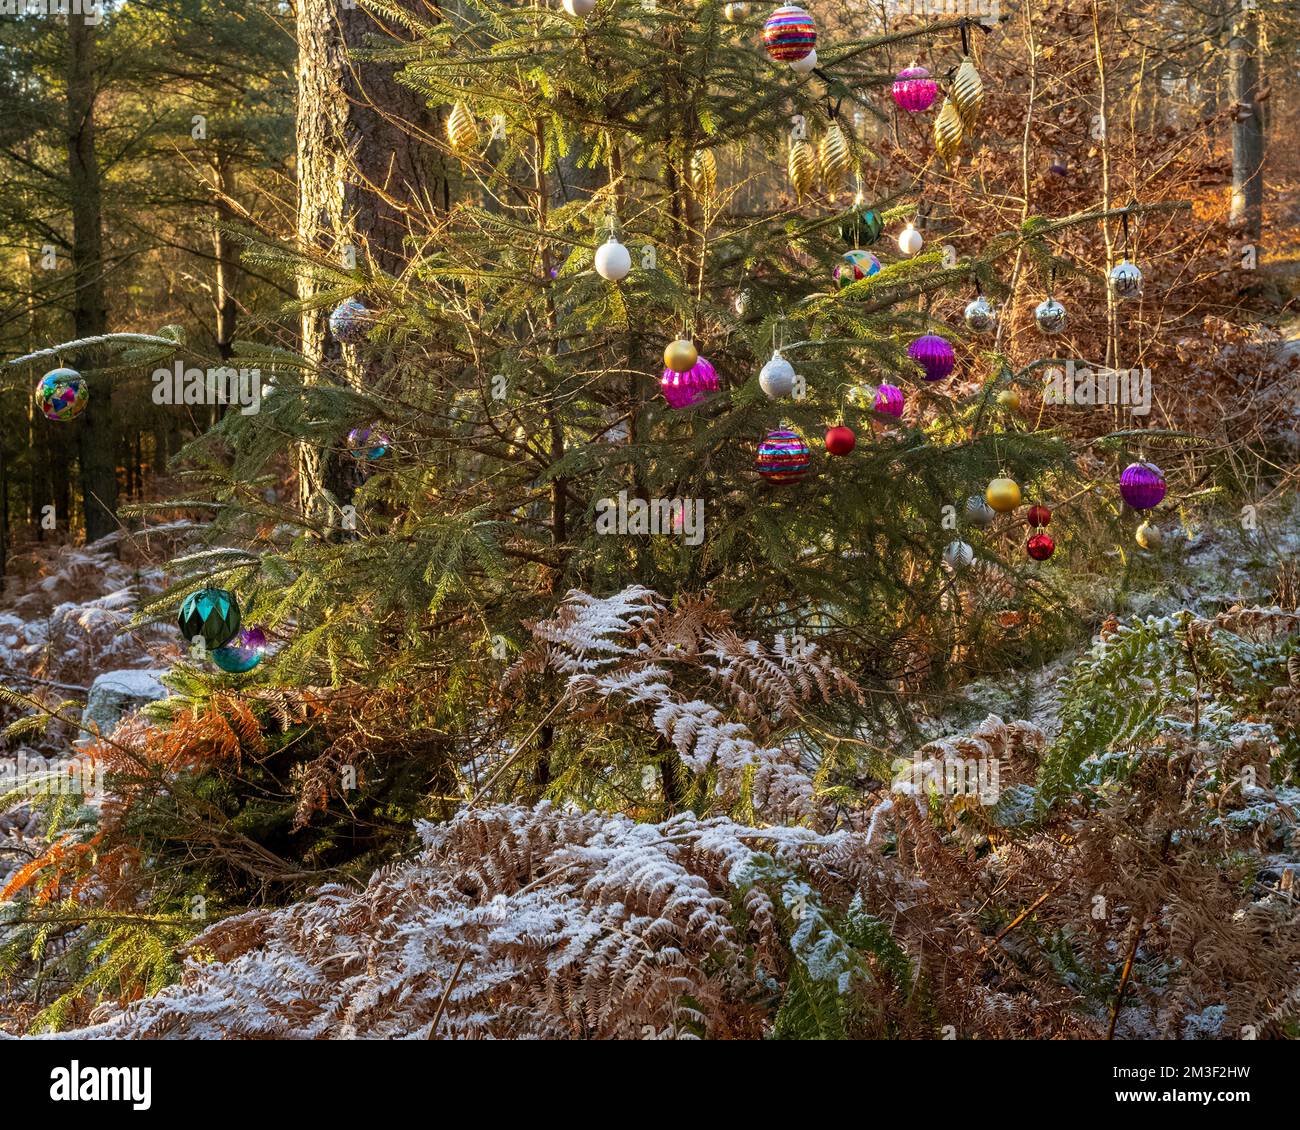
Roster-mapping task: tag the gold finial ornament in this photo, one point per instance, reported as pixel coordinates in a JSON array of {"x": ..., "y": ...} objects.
[
  {"x": 803, "y": 167},
  {"x": 947, "y": 131},
  {"x": 704, "y": 173},
  {"x": 968, "y": 94},
  {"x": 462, "y": 131},
  {"x": 835, "y": 157}
]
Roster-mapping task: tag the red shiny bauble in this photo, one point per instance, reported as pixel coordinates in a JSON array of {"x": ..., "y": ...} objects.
[
  {"x": 840, "y": 440},
  {"x": 1038, "y": 515},
  {"x": 1040, "y": 547}
]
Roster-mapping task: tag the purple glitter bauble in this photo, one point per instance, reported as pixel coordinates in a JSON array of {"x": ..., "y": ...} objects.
[
  {"x": 683, "y": 390},
  {"x": 1142, "y": 485},
  {"x": 889, "y": 400},
  {"x": 934, "y": 355},
  {"x": 914, "y": 89}
]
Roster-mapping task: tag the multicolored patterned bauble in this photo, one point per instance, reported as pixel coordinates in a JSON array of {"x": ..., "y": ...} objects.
[
  {"x": 979, "y": 513},
  {"x": 1142, "y": 485},
  {"x": 934, "y": 354},
  {"x": 1038, "y": 515},
  {"x": 1126, "y": 280},
  {"x": 914, "y": 89},
  {"x": 863, "y": 227},
  {"x": 680, "y": 355},
  {"x": 1003, "y": 494},
  {"x": 889, "y": 401},
  {"x": 980, "y": 315},
  {"x": 241, "y": 655},
  {"x": 958, "y": 555},
  {"x": 62, "y": 394},
  {"x": 1149, "y": 536},
  {"x": 1050, "y": 316},
  {"x": 211, "y": 613},
  {"x": 367, "y": 443},
  {"x": 840, "y": 440},
  {"x": 350, "y": 321},
  {"x": 683, "y": 390},
  {"x": 783, "y": 457},
  {"x": 776, "y": 378},
  {"x": 1040, "y": 547},
  {"x": 789, "y": 34},
  {"x": 856, "y": 265}
]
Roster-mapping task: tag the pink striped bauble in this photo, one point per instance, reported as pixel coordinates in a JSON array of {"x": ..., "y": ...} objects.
[
  {"x": 789, "y": 34},
  {"x": 934, "y": 354},
  {"x": 1142, "y": 485},
  {"x": 914, "y": 89},
  {"x": 889, "y": 400},
  {"x": 683, "y": 390}
]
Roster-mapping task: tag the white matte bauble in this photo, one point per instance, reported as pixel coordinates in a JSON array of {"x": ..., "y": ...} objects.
[
  {"x": 1050, "y": 316},
  {"x": 1126, "y": 280},
  {"x": 909, "y": 240},
  {"x": 978, "y": 512},
  {"x": 980, "y": 315},
  {"x": 776, "y": 378},
  {"x": 805, "y": 65},
  {"x": 613, "y": 260},
  {"x": 579, "y": 7},
  {"x": 958, "y": 555}
]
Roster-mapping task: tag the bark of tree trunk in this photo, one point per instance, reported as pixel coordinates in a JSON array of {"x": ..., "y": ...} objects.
[
  {"x": 1247, "y": 129},
  {"x": 95, "y": 429},
  {"x": 362, "y": 168}
]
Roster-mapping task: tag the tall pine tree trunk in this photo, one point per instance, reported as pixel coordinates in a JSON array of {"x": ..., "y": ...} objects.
[
  {"x": 1247, "y": 128},
  {"x": 95, "y": 430},
  {"x": 361, "y": 169}
]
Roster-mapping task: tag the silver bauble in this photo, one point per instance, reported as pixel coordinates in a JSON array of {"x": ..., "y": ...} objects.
[
  {"x": 1050, "y": 316},
  {"x": 776, "y": 378},
  {"x": 978, "y": 512},
  {"x": 1126, "y": 280},
  {"x": 958, "y": 555},
  {"x": 980, "y": 315}
]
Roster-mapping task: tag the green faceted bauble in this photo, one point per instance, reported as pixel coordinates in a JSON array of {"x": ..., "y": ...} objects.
[
  {"x": 861, "y": 228},
  {"x": 211, "y": 613}
]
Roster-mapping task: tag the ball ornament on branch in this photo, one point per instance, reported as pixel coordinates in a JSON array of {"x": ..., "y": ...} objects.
[
  {"x": 686, "y": 389},
  {"x": 62, "y": 394},
  {"x": 789, "y": 34},
  {"x": 914, "y": 90},
  {"x": 1142, "y": 485},
  {"x": 783, "y": 457},
  {"x": 1050, "y": 316},
  {"x": 840, "y": 440},
  {"x": 613, "y": 260},
  {"x": 935, "y": 356},
  {"x": 777, "y": 377},
  {"x": 1003, "y": 494},
  {"x": 979, "y": 315}
]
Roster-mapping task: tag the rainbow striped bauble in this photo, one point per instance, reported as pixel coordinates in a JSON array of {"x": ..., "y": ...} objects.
[
  {"x": 789, "y": 34},
  {"x": 889, "y": 400},
  {"x": 783, "y": 457},
  {"x": 684, "y": 390},
  {"x": 62, "y": 394}
]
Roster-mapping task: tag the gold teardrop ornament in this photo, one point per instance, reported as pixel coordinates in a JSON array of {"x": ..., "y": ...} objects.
[
  {"x": 462, "y": 131},
  {"x": 835, "y": 157},
  {"x": 803, "y": 167},
  {"x": 968, "y": 94},
  {"x": 947, "y": 131},
  {"x": 704, "y": 173}
]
